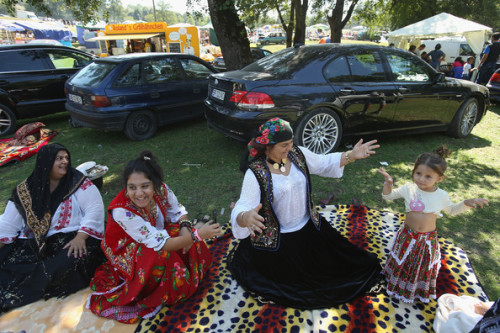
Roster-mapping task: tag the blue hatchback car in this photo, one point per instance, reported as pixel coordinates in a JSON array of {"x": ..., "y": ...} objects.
[{"x": 136, "y": 93}]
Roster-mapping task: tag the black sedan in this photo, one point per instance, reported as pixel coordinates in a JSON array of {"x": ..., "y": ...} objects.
[
  {"x": 494, "y": 86},
  {"x": 333, "y": 91},
  {"x": 136, "y": 93}
]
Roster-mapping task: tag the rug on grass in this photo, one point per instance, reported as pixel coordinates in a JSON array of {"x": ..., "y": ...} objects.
[
  {"x": 221, "y": 305},
  {"x": 26, "y": 142},
  {"x": 63, "y": 315}
]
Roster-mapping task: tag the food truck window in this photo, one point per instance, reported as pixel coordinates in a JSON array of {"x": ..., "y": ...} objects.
[
  {"x": 174, "y": 47},
  {"x": 103, "y": 46}
]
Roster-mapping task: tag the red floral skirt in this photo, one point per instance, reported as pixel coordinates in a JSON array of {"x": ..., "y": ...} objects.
[
  {"x": 413, "y": 265},
  {"x": 160, "y": 278}
]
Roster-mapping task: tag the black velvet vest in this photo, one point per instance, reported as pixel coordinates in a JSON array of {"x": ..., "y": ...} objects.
[{"x": 270, "y": 237}]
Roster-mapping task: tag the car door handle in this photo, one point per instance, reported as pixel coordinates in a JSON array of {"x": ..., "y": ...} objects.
[
  {"x": 347, "y": 91},
  {"x": 196, "y": 91},
  {"x": 403, "y": 90},
  {"x": 65, "y": 77},
  {"x": 3, "y": 82},
  {"x": 155, "y": 94}
]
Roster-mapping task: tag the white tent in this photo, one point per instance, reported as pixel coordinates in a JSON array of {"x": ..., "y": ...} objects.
[{"x": 441, "y": 25}]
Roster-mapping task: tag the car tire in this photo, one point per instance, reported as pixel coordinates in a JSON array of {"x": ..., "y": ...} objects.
[
  {"x": 465, "y": 119},
  {"x": 320, "y": 131},
  {"x": 7, "y": 120},
  {"x": 140, "y": 125}
]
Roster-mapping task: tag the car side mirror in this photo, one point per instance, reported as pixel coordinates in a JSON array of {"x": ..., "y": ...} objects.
[{"x": 439, "y": 77}]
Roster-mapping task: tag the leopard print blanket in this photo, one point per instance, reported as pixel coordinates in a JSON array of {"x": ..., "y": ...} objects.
[{"x": 221, "y": 305}]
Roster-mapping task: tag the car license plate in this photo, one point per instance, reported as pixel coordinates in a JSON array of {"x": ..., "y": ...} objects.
[
  {"x": 216, "y": 93},
  {"x": 75, "y": 98}
]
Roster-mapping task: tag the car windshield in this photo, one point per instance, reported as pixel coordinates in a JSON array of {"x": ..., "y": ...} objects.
[
  {"x": 287, "y": 61},
  {"x": 92, "y": 75}
]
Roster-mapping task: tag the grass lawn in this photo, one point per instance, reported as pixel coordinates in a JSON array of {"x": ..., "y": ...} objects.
[{"x": 201, "y": 166}]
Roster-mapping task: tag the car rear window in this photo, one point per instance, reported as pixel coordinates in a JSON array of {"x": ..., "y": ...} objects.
[
  {"x": 21, "y": 60},
  {"x": 286, "y": 62},
  {"x": 92, "y": 75}
]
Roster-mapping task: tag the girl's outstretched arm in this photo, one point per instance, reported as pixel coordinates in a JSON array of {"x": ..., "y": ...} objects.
[{"x": 388, "y": 181}]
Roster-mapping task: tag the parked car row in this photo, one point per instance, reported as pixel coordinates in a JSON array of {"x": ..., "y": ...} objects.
[{"x": 328, "y": 92}]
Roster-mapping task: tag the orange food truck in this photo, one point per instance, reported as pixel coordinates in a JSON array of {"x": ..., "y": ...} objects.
[{"x": 148, "y": 37}]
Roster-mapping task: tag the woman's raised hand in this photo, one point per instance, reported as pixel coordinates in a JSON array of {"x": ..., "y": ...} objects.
[
  {"x": 252, "y": 220},
  {"x": 363, "y": 150},
  {"x": 210, "y": 230}
]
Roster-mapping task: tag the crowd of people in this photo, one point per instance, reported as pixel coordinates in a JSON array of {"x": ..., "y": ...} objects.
[
  {"x": 463, "y": 69},
  {"x": 54, "y": 240}
]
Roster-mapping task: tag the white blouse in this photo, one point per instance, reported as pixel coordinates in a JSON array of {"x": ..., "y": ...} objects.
[
  {"x": 144, "y": 232},
  {"x": 83, "y": 211},
  {"x": 289, "y": 192}
]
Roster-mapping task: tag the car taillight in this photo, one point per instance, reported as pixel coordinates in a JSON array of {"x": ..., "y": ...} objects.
[
  {"x": 251, "y": 100},
  {"x": 495, "y": 78},
  {"x": 100, "y": 101}
]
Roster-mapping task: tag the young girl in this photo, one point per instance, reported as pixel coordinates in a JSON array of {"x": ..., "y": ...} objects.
[{"x": 413, "y": 264}]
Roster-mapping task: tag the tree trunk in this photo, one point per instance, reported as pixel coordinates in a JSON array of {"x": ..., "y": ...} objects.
[
  {"x": 336, "y": 22},
  {"x": 300, "y": 21},
  {"x": 231, "y": 33},
  {"x": 287, "y": 27}
]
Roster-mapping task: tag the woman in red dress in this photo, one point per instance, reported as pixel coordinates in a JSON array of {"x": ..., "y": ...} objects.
[{"x": 155, "y": 257}]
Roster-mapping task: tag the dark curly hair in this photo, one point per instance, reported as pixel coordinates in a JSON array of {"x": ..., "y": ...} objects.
[
  {"x": 435, "y": 160},
  {"x": 147, "y": 164}
]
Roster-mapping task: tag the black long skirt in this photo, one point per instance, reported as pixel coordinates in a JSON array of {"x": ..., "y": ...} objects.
[
  {"x": 311, "y": 269},
  {"x": 27, "y": 276}
]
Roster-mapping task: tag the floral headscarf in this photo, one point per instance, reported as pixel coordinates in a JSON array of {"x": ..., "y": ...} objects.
[{"x": 273, "y": 131}]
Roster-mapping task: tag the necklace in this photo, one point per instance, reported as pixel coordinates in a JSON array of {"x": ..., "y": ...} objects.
[{"x": 276, "y": 165}]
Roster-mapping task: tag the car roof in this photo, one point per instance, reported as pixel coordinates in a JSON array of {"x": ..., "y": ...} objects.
[
  {"x": 35, "y": 46},
  {"x": 147, "y": 55}
]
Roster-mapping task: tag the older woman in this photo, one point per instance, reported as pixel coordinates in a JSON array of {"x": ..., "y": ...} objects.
[
  {"x": 155, "y": 258},
  {"x": 288, "y": 253},
  {"x": 50, "y": 232}
]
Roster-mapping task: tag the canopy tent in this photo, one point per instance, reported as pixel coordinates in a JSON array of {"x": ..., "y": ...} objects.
[
  {"x": 442, "y": 25},
  {"x": 10, "y": 26},
  {"x": 46, "y": 30}
]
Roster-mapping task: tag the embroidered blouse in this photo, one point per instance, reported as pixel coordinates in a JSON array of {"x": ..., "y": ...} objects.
[
  {"x": 142, "y": 231},
  {"x": 417, "y": 200},
  {"x": 290, "y": 192},
  {"x": 83, "y": 211}
]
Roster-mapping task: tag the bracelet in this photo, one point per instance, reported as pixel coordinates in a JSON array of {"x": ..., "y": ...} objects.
[
  {"x": 347, "y": 157},
  {"x": 185, "y": 223},
  {"x": 193, "y": 236},
  {"x": 197, "y": 235}
]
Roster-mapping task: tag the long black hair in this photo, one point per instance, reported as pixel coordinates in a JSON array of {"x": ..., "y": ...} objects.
[{"x": 147, "y": 164}]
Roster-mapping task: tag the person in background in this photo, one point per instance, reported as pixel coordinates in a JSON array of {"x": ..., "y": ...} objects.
[
  {"x": 425, "y": 57},
  {"x": 467, "y": 72},
  {"x": 50, "y": 232},
  {"x": 412, "y": 49},
  {"x": 420, "y": 49},
  {"x": 436, "y": 56},
  {"x": 488, "y": 61}
]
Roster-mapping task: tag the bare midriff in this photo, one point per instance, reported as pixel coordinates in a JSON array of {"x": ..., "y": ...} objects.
[{"x": 420, "y": 221}]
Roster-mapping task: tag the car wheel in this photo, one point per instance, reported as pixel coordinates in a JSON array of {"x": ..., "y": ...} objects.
[
  {"x": 140, "y": 125},
  {"x": 7, "y": 120},
  {"x": 465, "y": 119},
  {"x": 320, "y": 131}
]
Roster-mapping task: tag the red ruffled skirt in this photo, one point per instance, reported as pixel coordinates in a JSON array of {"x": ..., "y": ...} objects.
[
  {"x": 413, "y": 265},
  {"x": 160, "y": 278}
]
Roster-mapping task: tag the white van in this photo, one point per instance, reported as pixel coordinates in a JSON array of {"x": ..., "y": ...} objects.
[{"x": 452, "y": 47}]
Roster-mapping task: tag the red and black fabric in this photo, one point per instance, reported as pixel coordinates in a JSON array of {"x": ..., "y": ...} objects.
[{"x": 137, "y": 281}]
